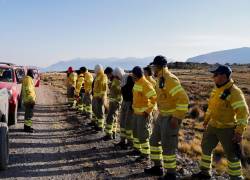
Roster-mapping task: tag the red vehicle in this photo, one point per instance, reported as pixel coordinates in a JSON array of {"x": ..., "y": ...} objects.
[{"x": 11, "y": 78}]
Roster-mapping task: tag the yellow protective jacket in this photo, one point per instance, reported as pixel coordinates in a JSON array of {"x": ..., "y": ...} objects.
[
  {"x": 144, "y": 96},
  {"x": 100, "y": 85},
  {"x": 228, "y": 113},
  {"x": 28, "y": 90},
  {"x": 79, "y": 83},
  {"x": 88, "y": 80},
  {"x": 151, "y": 80},
  {"x": 172, "y": 98},
  {"x": 115, "y": 91},
  {"x": 71, "y": 79}
]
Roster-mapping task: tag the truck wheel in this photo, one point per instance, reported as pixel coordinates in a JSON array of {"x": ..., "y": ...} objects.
[
  {"x": 13, "y": 117},
  {"x": 4, "y": 146}
]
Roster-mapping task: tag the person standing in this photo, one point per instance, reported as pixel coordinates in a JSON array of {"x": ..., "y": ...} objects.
[
  {"x": 225, "y": 121},
  {"x": 126, "y": 113},
  {"x": 99, "y": 94},
  {"x": 29, "y": 100},
  {"x": 144, "y": 100},
  {"x": 172, "y": 102},
  {"x": 71, "y": 85},
  {"x": 114, "y": 103},
  {"x": 87, "y": 98},
  {"x": 79, "y": 90}
]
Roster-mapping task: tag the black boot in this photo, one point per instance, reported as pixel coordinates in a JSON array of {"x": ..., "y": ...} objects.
[
  {"x": 121, "y": 145},
  {"x": 98, "y": 129},
  {"x": 28, "y": 129},
  {"x": 135, "y": 152},
  {"x": 155, "y": 171},
  {"x": 201, "y": 175},
  {"x": 91, "y": 123},
  {"x": 142, "y": 158},
  {"x": 168, "y": 176},
  {"x": 107, "y": 138}
]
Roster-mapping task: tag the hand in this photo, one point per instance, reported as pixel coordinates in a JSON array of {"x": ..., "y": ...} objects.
[
  {"x": 237, "y": 137},
  {"x": 174, "y": 122}
]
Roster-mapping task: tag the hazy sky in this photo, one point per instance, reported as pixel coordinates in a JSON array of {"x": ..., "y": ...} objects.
[{"x": 42, "y": 32}]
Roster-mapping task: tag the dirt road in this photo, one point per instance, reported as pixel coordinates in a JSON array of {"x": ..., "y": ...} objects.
[{"x": 64, "y": 147}]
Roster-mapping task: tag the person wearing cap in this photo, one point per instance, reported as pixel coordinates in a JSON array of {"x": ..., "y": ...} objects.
[
  {"x": 144, "y": 100},
  {"x": 148, "y": 75},
  {"x": 115, "y": 99},
  {"x": 225, "y": 121},
  {"x": 71, "y": 84},
  {"x": 29, "y": 99},
  {"x": 87, "y": 98},
  {"x": 99, "y": 94},
  {"x": 78, "y": 102},
  {"x": 172, "y": 102}
]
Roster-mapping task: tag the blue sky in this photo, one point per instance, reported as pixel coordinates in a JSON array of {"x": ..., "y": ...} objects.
[{"x": 42, "y": 32}]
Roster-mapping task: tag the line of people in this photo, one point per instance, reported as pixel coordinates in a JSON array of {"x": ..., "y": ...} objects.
[{"x": 151, "y": 104}]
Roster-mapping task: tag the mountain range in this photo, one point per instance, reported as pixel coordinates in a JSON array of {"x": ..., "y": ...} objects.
[
  {"x": 125, "y": 63},
  {"x": 231, "y": 56}
]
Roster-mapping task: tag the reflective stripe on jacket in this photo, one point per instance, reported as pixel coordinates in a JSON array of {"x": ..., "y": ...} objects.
[
  {"x": 71, "y": 80},
  {"x": 100, "y": 85},
  {"x": 151, "y": 80},
  {"x": 144, "y": 96},
  {"x": 172, "y": 98},
  {"x": 28, "y": 90},
  {"x": 79, "y": 83},
  {"x": 115, "y": 91},
  {"x": 88, "y": 80},
  {"x": 228, "y": 113}
]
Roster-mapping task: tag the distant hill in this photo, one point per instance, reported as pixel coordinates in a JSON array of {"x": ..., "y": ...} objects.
[
  {"x": 125, "y": 63},
  {"x": 231, "y": 56}
]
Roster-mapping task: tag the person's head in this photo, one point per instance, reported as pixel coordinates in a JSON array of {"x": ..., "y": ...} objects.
[
  {"x": 137, "y": 73},
  {"x": 108, "y": 71},
  {"x": 118, "y": 73},
  {"x": 147, "y": 71},
  {"x": 82, "y": 69},
  {"x": 70, "y": 69},
  {"x": 221, "y": 74},
  {"x": 158, "y": 63},
  {"x": 98, "y": 68},
  {"x": 30, "y": 73}
]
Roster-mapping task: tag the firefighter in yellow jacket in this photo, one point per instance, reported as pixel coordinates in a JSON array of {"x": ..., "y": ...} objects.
[
  {"x": 78, "y": 102},
  {"x": 148, "y": 76},
  {"x": 172, "y": 102},
  {"x": 115, "y": 99},
  {"x": 29, "y": 99},
  {"x": 225, "y": 121},
  {"x": 87, "y": 98},
  {"x": 144, "y": 100},
  {"x": 99, "y": 94},
  {"x": 71, "y": 85}
]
